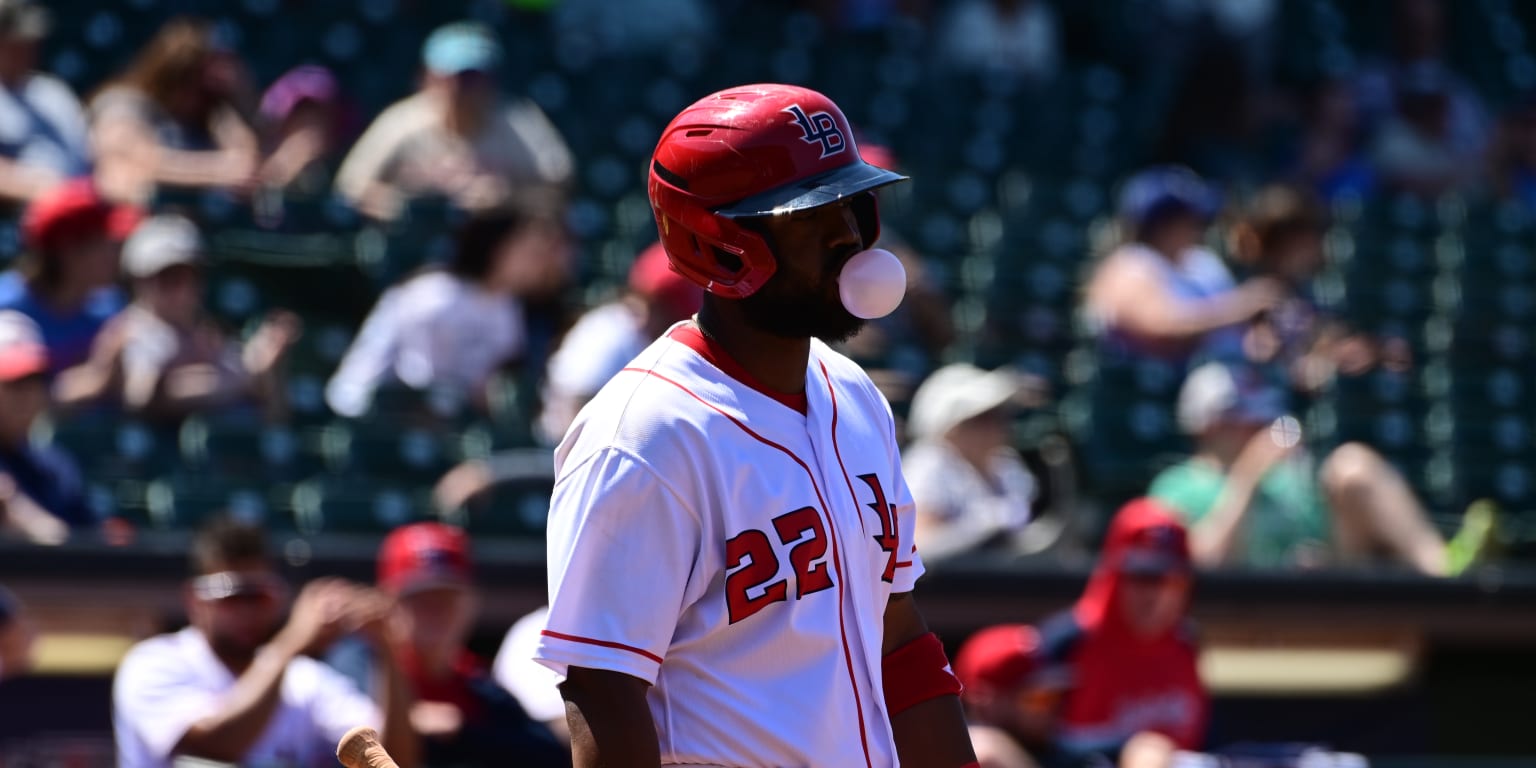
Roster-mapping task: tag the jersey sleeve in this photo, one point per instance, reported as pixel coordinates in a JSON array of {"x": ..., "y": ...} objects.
[
  {"x": 622, "y": 545},
  {"x": 158, "y": 697},
  {"x": 909, "y": 565},
  {"x": 336, "y": 704}
]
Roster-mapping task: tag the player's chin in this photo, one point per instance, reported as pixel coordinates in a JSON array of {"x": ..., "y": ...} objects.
[
  {"x": 840, "y": 326},
  {"x": 830, "y": 323},
  {"x": 813, "y": 316}
]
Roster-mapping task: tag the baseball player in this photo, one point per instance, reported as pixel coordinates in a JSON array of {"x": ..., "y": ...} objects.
[{"x": 730, "y": 537}]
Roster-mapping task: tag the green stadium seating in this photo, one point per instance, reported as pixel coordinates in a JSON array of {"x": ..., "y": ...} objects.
[{"x": 353, "y": 504}]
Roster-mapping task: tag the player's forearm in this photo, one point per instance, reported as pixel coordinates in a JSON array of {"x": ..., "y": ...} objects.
[
  {"x": 933, "y": 735},
  {"x": 395, "y": 702},
  {"x": 229, "y": 734},
  {"x": 1213, "y": 539},
  {"x": 611, "y": 725}
]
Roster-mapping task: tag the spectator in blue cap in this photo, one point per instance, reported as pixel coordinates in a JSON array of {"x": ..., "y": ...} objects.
[
  {"x": 1162, "y": 294},
  {"x": 457, "y": 137}
]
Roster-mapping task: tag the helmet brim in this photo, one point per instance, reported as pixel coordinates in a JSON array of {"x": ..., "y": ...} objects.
[{"x": 813, "y": 191}]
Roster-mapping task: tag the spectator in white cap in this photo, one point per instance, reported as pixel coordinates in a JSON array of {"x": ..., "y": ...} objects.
[
  {"x": 972, "y": 488},
  {"x": 162, "y": 356},
  {"x": 457, "y": 137},
  {"x": 1252, "y": 496},
  {"x": 41, "y": 493}
]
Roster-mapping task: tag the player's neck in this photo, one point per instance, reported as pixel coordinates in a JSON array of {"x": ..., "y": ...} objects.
[{"x": 777, "y": 362}]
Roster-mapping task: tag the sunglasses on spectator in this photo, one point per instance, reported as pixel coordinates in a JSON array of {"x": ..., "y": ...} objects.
[
  {"x": 226, "y": 585},
  {"x": 472, "y": 77}
]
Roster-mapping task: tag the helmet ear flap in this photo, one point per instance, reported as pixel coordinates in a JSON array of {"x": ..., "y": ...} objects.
[
  {"x": 753, "y": 259},
  {"x": 696, "y": 240}
]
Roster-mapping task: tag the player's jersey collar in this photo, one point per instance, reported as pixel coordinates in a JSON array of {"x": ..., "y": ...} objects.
[{"x": 689, "y": 335}]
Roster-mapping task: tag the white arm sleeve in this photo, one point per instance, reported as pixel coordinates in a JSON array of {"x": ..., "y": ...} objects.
[
  {"x": 622, "y": 545},
  {"x": 368, "y": 361},
  {"x": 909, "y": 566},
  {"x": 157, "y": 697}
]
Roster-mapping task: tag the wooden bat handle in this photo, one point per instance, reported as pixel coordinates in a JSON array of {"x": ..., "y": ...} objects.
[{"x": 360, "y": 748}]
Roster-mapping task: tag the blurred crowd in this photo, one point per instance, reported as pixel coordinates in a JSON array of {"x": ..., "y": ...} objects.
[{"x": 1209, "y": 273}]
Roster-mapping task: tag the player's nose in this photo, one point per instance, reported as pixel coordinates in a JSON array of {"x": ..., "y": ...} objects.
[{"x": 847, "y": 231}]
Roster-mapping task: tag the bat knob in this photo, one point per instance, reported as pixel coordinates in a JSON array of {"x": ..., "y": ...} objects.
[{"x": 360, "y": 748}]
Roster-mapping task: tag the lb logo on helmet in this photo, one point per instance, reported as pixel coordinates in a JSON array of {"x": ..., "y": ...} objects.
[{"x": 820, "y": 128}]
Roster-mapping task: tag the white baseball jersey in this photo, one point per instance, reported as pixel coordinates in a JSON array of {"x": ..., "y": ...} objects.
[
  {"x": 736, "y": 548},
  {"x": 167, "y": 683}
]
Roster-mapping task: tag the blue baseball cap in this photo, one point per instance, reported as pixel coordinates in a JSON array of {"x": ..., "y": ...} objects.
[
  {"x": 463, "y": 46},
  {"x": 1165, "y": 190}
]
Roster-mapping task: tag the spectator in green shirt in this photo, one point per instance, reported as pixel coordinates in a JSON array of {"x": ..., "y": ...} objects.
[{"x": 1253, "y": 497}]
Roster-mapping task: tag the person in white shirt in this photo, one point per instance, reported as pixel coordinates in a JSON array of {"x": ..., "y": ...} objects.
[
  {"x": 222, "y": 690},
  {"x": 972, "y": 488},
  {"x": 448, "y": 329},
  {"x": 536, "y": 687},
  {"x": 457, "y": 137}
]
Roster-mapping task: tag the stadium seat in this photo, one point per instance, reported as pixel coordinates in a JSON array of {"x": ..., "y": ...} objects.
[
  {"x": 345, "y": 504},
  {"x": 184, "y": 501}
]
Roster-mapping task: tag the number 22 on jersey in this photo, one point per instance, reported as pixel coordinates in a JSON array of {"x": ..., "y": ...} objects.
[{"x": 753, "y": 560}]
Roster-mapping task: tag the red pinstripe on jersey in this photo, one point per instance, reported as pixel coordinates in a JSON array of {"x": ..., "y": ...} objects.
[
  {"x": 837, "y": 565},
  {"x": 601, "y": 643}
]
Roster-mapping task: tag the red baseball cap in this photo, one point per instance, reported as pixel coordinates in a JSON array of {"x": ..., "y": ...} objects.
[
  {"x": 22, "y": 352},
  {"x": 424, "y": 555},
  {"x": 73, "y": 210},
  {"x": 653, "y": 277},
  {"x": 998, "y": 658}
]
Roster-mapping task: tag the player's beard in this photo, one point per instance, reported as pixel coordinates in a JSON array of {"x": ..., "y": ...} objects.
[{"x": 790, "y": 309}]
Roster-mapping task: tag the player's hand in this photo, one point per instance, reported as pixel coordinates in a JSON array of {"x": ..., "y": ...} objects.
[
  {"x": 320, "y": 615},
  {"x": 436, "y": 719}
]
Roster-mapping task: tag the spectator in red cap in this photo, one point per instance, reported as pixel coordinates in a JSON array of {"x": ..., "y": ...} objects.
[
  {"x": 462, "y": 715},
  {"x": 41, "y": 493},
  {"x": 1011, "y": 709},
  {"x": 1113, "y": 678},
  {"x": 66, "y": 280},
  {"x": 609, "y": 335}
]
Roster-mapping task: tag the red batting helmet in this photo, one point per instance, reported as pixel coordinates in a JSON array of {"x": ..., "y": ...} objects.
[{"x": 755, "y": 150}]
